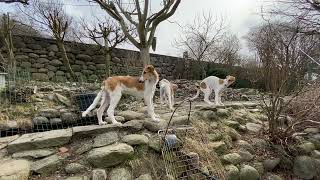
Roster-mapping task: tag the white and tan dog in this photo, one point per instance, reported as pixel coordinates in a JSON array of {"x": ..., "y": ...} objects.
[
  {"x": 217, "y": 85},
  {"x": 115, "y": 86},
  {"x": 167, "y": 91}
]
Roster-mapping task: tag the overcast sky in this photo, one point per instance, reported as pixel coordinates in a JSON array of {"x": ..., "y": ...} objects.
[{"x": 241, "y": 15}]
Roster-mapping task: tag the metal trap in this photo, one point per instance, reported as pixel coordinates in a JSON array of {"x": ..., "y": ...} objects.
[{"x": 181, "y": 162}]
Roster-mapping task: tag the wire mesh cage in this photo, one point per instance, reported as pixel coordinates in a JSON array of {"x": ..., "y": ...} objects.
[{"x": 182, "y": 160}]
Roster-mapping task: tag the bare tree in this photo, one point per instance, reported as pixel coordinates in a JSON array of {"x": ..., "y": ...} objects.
[
  {"x": 137, "y": 13},
  {"x": 228, "y": 51},
  {"x": 6, "y": 37},
  {"x": 306, "y": 13},
  {"x": 107, "y": 34},
  {"x": 50, "y": 17},
  {"x": 26, "y": 2},
  {"x": 200, "y": 37},
  {"x": 278, "y": 49}
]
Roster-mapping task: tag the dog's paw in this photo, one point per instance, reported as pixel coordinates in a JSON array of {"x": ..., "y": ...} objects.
[
  {"x": 116, "y": 123},
  {"x": 84, "y": 114},
  {"x": 103, "y": 123}
]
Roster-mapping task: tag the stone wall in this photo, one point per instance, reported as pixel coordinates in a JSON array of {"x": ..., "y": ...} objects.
[{"x": 41, "y": 57}]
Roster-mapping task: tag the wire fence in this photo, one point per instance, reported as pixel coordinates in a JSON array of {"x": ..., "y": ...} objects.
[{"x": 21, "y": 97}]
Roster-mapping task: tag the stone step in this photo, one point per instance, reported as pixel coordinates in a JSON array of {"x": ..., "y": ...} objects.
[{"x": 40, "y": 140}]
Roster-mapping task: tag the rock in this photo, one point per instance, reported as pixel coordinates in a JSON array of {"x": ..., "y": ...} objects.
[
  {"x": 136, "y": 125},
  {"x": 47, "y": 165},
  {"x": 270, "y": 164},
  {"x": 249, "y": 173},
  {"x": 40, "y": 140},
  {"x": 99, "y": 174},
  {"x": 120, "y": 174},
  {"x": 130, "y": 115},
  {"x": 53, "y": 48},
  {"x": 14, "y": 170},
  {"x": 209, "y": 115},
  {"x": 155, "y": 126},
  {"x": 253, "y": 127},
  {"x": 84, "y": 147},
  {"x": 40, "y": 120},
  {"x": 96, "y": 129},
  {"x": 118, "y": 118},
  {"x": 228, "y": 140},
  {"x": 4, "y": 141},
  {"x": 219, "y": 147},
  {"x": 69, "y": 117},
  {"x": 217, "y": 136},
  {"x": 223, "y": 112},
  {"x": 74, "y": 168},
  {"x": 274, "y": 177},
  {"x": 144, "y": 177},
  {"x": 83, "y": 57},
  {"x": 63, "y": 99},
  {"x": 304, "y": 167},
  {"x": 167, "y": 177},
  {"x": 49, "y": 113},
  {"x": 306, "y": 148},
  {"x": 260, "y": 143},
  {"x": 244, "y": 98},
  {"x": 110, "y": 155},
  {"x": 105, "y": 139},
  {"x": 312, "y": 130},
  {"x": 232, "y": 124},
  {"x": 63, "y": 150},
  {"x": 245, "y": 155},
  {"x": 135, "y": 139},
  {"x": 55, "y": 121},
  {"x": 232, "y": 158},
  {"x": 259, "y": 167},
  {"x": 40, "y": 76},
  {"x": 33, "y": 154},
  {"x": 232, "y": 172},
  {"x": 77, "y": 178},
  {"x": 180, "y": 120},
  {"x": 316, "y": 154},
  {"x": 155, "y": 144},
  {"x": 232, "y": 133}
]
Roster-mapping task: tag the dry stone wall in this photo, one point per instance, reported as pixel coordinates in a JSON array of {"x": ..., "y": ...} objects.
[{"x": 42, "y": 58}]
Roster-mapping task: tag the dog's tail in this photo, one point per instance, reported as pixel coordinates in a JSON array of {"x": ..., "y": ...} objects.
[
  {"x": 94, "y": 103},
  {"x": 198, "y": 92}
]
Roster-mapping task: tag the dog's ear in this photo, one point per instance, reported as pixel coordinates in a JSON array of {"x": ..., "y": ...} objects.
[
  {"x": 227, "y": 77},
  {"x": 150, "y": 68}
]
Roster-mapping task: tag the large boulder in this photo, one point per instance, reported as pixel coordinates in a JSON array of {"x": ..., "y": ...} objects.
[
  {"x": 249, "y": 173},
  {"x": 219, "y": 147},
  {"x": 105, "y": 139},
  {"x": 120, "y": 174},
  {"x": 245, "y": 155},
  {"x": 270, "y": 164},
  {"x": 47, "y": 165},
  {"x": 145, "y": 177},
  {"x": 40, "y": 140},
  {"x": 135, "y": 125},
  {"x": 110, "y": 155},
  {"x": 155, "y": 126},
  {"x": 304, "y": 167},
  {"x": 14, "y": 170},
  {"x": 253, "y": 127},
  {"x": 306, "y": 148},
  {"x": 135, "y": 139}
]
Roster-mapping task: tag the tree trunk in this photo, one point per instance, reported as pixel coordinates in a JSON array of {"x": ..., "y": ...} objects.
[
  {"x": 65, "y": 59},
  {"x": 107, "y": 52},
  {"x": 145, "y": 56}
]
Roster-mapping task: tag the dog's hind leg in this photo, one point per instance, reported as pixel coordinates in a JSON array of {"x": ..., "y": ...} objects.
[
  {"x": 103, "y": 106},
  {"x": 207, "y": 93},
  {"x": 93, "y": 105},
  {"x": 114, "y": 100}
]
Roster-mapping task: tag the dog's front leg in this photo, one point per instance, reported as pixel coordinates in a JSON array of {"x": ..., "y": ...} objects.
[{"x": 150, "y": 108}]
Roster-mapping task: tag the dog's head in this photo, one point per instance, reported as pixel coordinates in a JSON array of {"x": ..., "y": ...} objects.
[
  {"x": 149, "y": 73},
  {"x": 230, "y": 80}
]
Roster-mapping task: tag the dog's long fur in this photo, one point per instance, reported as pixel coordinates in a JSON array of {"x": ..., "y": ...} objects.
[
  {"x": 167, "y": 91},
  {"x": 217, "y": 85},
  {"x": 115, "y": 86}
]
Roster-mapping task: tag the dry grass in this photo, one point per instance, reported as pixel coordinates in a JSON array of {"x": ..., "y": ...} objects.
[{"x": 197, "y": 141}]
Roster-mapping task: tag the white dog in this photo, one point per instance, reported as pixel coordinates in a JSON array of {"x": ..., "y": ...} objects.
[
  {"x": 167, "y": 91},
  {"x": 217, "y": 85},
  {"x": 113, "y": 87}
]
